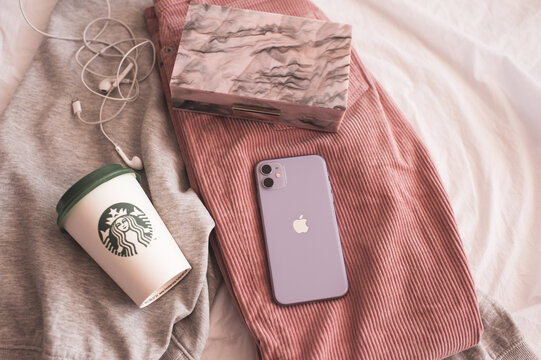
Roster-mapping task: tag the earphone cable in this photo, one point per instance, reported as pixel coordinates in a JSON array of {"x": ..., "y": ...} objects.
[
  {"x": 58, "y": 36},
  {"x": 108, "y": 50}
]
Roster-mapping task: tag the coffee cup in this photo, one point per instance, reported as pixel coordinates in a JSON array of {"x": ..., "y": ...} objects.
[{"x": 110, "y": 216}]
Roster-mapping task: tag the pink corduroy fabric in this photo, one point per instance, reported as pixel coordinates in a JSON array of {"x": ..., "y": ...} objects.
[{"x": 411, "y": 295}]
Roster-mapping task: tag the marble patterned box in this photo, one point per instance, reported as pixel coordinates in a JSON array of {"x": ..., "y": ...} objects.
[{"x": 262, "y": 66}]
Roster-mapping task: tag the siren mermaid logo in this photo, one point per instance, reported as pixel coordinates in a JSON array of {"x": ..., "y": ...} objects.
[{"x": 124, "y": 229}]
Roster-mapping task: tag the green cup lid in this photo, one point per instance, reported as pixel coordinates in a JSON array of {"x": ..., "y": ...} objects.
[{"x": 85, "y": 186}]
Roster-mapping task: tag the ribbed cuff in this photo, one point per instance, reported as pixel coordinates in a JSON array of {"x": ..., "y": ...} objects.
[{"x": 519, "y": 351}]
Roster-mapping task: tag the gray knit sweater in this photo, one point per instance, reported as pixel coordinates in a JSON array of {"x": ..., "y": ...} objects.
[{"x": 56, "y": 302}]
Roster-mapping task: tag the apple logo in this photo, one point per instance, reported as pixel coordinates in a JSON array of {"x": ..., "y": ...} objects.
[{"x": 300, "y": 225}]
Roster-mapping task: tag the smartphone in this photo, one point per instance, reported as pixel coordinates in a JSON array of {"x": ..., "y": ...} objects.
[{"x": 304, "y": 252}]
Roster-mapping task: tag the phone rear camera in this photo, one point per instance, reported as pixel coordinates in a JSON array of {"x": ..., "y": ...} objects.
[
  {"x": 268, "y": 182},
  {"x": 266, "y": 169}
]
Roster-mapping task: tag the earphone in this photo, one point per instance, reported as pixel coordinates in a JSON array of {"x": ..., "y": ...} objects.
[
  {"x": 109, "y": 83},
  {"x": 135, "y": 162}
]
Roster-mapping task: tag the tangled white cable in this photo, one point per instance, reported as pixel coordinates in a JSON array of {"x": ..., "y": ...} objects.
[{"x": 108, "y": 83}]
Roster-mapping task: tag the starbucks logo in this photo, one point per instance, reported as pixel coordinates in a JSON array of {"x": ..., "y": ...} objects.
[{"x": 124, "y": 229}]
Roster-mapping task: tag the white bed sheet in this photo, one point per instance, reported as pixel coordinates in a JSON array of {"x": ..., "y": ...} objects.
[{"x": 467, "y": 74}]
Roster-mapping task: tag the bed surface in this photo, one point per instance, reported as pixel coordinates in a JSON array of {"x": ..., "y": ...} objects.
[{"x": 467, "y": 75}]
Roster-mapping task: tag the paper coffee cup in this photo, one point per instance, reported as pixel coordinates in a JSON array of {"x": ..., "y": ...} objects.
[{"x": 110, "y": 216}]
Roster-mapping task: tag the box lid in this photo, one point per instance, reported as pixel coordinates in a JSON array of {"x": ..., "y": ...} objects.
[{"x": 263, "y": 56}]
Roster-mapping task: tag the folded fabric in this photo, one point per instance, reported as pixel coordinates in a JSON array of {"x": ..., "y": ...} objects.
[
  {"x": 501, "y": 339},
  {"x": 411, "y": 295}
]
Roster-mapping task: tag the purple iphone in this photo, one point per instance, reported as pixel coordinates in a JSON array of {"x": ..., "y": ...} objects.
[{"x": 301, "y": 234}]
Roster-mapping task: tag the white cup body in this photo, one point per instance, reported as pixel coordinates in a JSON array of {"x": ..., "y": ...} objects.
[{"x": 140, "y": 254}]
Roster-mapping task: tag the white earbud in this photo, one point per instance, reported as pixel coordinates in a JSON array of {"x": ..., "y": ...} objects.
[
  {"x": 108, "y": 84},
  {"x": 135, "y": 163}
]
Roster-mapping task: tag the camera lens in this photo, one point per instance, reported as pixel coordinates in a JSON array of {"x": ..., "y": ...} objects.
[
  {"x": 268, "y": 182},
  {"x": 266, "y": 169}
]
